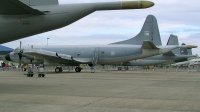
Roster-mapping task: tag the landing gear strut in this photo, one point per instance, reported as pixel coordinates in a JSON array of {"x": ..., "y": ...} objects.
[
  {"x": 58, "y": 69},
  {"x": 78, "y": 69}
]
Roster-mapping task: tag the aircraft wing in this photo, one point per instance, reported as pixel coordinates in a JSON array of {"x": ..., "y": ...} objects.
[
  {"x": 49, "y": 55},
  {"x": 15, "y": 7},
  {"x": 53, "y": 56}
]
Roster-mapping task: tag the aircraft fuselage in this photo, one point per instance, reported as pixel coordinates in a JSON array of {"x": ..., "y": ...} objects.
[{"x": 107, "y": 54}]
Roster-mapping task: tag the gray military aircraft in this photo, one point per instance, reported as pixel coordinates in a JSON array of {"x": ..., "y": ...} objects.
[
  {"x": 92, "y": 55},
  {"x": 23, "y": 18},
  {"x": 177, "y": 55},
  {"x": 152, "y": 34},
  {"x": 73, "y": 55}
]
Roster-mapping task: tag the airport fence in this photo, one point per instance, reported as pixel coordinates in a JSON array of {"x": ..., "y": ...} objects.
[{"x": 109, "y": 68}]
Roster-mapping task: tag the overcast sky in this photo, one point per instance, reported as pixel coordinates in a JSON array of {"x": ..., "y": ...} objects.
[{"x": 178, "y": 17}]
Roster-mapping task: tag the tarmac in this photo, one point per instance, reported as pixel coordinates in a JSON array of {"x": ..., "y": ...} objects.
[{"x": 103, "y": 91}]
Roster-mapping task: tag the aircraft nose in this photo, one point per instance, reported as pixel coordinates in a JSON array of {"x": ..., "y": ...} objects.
[{"x": 8, "y": 57}]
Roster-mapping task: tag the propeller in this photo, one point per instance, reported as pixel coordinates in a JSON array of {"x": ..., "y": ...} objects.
[{"x": 20, "y": 54}]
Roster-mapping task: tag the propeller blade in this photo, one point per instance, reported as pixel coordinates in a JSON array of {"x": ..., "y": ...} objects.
[
  {"x": 20, "y": 54},
  {"x": 20, "y": 47}
]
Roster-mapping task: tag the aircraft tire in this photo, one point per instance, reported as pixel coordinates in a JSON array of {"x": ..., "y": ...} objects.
[
  {"x": 43, "y": 75},
  {"x": 57, "y": 69},
  {"x": 38, "y": 75},
  {"x": 78, "y": 69},
  {"x": 60, "y": 69}
]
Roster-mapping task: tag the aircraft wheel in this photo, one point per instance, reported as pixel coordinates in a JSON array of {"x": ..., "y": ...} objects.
[
  {"x": 39, "y": 75},
  {"x": 57, "y": 69},
  {"x": 43, "y": 75},
  {"x": 78, "y": 69},
  {"x": 60, "y": 69}
]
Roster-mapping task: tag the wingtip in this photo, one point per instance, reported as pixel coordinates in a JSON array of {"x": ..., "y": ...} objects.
[
  {"x": 147, "y": 4},
  {"x": 137, "y": 4}
]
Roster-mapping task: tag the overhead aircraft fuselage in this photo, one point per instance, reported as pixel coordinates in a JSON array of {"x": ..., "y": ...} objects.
[{"x": 16, "y": 25}]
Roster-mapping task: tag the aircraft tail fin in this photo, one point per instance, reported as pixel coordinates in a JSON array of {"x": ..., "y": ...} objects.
[
  {"x": 40, "y": 2},
  {"x": 173, "y": 40},
  {"x": 150, "y": 32}
]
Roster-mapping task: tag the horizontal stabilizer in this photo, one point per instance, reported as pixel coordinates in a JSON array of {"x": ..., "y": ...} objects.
[
  {"x": 148, "y": 45},
  {"x": 15, "y": 7},
  {"x": 169, "y": 54}
]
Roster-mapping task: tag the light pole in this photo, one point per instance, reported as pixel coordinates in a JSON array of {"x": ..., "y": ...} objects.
[{"x": 47, "y": 40}]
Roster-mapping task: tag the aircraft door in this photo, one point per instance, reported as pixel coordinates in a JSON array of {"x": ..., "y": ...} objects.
[{"x": 96, "y": 54}]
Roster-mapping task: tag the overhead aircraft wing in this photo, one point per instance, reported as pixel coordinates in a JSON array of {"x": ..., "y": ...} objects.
[{"x": 15, "y": 7}]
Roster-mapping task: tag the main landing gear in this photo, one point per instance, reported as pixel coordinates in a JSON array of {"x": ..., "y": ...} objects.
[
  {"x": 58, "y": 69},
  {"x": 78, "y": 69}
]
